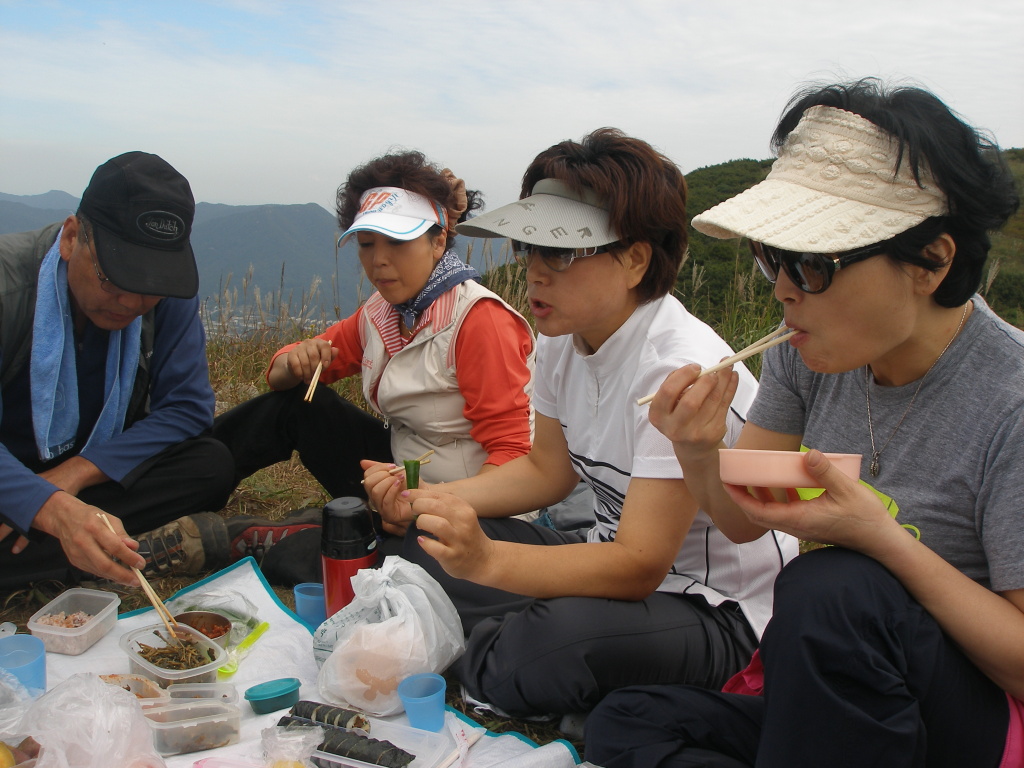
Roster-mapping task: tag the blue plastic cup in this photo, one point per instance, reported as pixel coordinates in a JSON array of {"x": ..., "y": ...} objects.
[
  {"x": 423, "y": 697},
  {"x": 24, "y": 656},
  {"x": 309, "y": 603}
]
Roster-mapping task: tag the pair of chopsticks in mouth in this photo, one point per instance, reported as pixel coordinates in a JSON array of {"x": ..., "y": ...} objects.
[
  {"x": 154, "y": 598},
  {"x": 760, "y": 345}
]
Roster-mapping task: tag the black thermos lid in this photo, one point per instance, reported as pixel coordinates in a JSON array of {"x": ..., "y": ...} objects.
[{"x": 347, "y": 532}]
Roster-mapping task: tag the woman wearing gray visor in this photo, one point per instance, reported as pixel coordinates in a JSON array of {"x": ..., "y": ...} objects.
[{"x": 653, "y": 591}]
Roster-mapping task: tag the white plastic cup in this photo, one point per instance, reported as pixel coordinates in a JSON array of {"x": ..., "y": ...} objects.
[{"x": 423, "y": 697}]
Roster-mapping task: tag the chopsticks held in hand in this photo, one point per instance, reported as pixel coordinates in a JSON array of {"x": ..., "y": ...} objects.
[
  {"x": 154, "y": 598},
  {"x": 308, "y": 397},
  {"x": 421, "y": 459},
  {"x": 758, "y": 346}
]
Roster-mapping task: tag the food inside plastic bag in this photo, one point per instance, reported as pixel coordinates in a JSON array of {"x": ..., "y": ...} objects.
[
  {"x": 21, "y": 754},
  {"x": 291, "y": 746},
  {"x": 400, "y": 622},
  {"x": 85, "y": 723}
]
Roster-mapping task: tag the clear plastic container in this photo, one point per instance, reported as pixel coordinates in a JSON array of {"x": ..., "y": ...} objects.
[
  {"x": 194, "y": 726},
  {"x": 224, "y": 692},
  {"x": 155, "y": 636},
  {"x": 429, "y": 748},
  {"x": 146, "y": 692},
  {"x": 100, "y": 605}
]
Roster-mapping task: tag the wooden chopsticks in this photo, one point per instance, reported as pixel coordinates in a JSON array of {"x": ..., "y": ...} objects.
[
  {"x": 154, "y": 598},
  {"x": 753, "y": 349},
  {"x": 308, "y": 397},
  {"x": 760, "y": 345},
  {"x": 422, "y": 460}
]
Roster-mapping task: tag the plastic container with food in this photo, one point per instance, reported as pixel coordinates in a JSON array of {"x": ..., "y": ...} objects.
[
  {"x": 214, "y": 625},
  {"x": 74, "y": 620},
  {"x": 146, "y": 691},
  {"x": 154, "y": 638},
  {"x": 778, "y": 469},
  {"x": 225, "y": 692},
  {"x": 429, "y": 749},
  {"x": 194, "y": 726}
]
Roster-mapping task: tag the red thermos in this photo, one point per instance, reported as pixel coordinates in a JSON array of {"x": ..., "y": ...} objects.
[{"x": 347, "y": 543}]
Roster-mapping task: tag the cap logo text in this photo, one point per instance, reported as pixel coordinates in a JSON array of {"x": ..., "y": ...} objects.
[
  {"x": 378, "y": 202},
  {"x": 161, "y": 225}
]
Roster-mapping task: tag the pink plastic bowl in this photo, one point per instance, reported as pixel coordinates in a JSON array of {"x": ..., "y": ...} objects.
[{"x": 778, "y": 469}]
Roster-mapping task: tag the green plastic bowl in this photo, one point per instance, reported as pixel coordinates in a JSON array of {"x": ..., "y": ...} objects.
[{"x": 273, "y": 695}]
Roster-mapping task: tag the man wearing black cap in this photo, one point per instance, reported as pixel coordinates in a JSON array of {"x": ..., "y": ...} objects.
[{"x": 104, "y": 388}]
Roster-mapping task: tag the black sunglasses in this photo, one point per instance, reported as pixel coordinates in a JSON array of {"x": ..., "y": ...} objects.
[
  {"x": 810, "y": 272},
  {"x": 556, "y": 259}
]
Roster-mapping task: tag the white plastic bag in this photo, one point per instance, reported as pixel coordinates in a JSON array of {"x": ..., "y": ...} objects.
[
  {"x": 86, "y": 723},
  {"x": 14, "y": 700},
  {"x": 400, "y": 622}
]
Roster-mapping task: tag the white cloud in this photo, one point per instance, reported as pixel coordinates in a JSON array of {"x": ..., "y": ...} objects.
[{"x": 255, "y": 105}]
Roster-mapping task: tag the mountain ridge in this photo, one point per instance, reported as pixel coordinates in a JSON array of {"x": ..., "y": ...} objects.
[{"x": 282, "y": 249}]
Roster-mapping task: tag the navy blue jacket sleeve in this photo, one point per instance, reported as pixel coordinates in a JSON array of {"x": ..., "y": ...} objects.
[{"x": 22, "y": 491}]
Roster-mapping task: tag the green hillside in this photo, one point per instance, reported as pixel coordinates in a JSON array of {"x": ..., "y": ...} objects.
[{"x": 708, "y": 280}]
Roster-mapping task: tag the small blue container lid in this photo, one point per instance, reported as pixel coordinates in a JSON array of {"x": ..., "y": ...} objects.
[{"x": 273, "y": 695}]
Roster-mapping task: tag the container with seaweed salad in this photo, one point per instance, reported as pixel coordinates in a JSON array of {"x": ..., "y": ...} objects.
[{"x": 188, "y": 657}]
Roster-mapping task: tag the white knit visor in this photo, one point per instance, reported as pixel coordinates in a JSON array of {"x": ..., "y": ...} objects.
[{"x": 834, "y": 187}]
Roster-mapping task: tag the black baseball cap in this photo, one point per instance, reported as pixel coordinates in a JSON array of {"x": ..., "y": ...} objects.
[{"x": 141, "y": 211}]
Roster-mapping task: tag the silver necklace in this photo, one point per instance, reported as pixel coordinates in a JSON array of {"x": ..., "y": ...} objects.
[{"x": 876, "y": 452}]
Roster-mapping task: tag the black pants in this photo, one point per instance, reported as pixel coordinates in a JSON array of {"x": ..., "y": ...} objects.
[
  {"x": 196, "y": 475},
  {"x": 561, "y": 655},
  {"x": 857, "y": 673},
  {"x": 330, "y": 434}
]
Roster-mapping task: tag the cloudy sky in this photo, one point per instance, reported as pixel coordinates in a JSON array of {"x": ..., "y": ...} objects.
[{"x": 258, "y": 101}]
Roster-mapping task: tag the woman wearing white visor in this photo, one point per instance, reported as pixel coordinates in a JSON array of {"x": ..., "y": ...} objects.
[
  {"x": 446, "y": 362},
  {"x": 903, "y": 644},
  {"x": 653, "y": 590}
]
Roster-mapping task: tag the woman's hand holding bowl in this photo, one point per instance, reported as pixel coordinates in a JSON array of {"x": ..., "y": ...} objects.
[{"x": 847, "y": 514}]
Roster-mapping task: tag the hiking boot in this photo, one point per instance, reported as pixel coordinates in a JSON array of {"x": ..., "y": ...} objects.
[
  {"x": 186, "y": 546},
  {"x": 253, "y": 536}
]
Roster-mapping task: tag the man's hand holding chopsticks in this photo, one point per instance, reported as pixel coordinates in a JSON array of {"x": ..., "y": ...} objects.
[{"x": 86, "y": 540}]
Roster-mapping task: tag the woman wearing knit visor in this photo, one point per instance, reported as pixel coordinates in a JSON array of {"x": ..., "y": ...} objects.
[
  {"x": 653, "y": 591},
  {"x": 902, "y": 644},
  {"x": 445, "y": 361}
]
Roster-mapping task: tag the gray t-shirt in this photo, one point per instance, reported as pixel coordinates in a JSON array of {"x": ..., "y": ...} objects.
[{"x": 955, "y": 469}]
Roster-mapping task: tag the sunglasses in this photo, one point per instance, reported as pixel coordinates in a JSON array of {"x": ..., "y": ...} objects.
[
  {"x": 810, "y": 272},
  {"x": 556, "y": 259}
]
